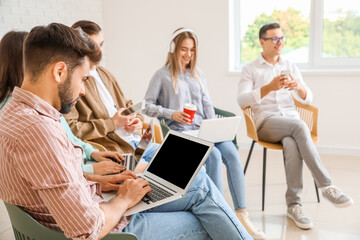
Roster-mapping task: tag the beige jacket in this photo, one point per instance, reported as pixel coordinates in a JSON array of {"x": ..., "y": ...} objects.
[{"x": 90, "y": 120}]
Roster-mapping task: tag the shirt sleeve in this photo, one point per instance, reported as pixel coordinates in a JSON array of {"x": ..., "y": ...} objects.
[
  {"x": 299, "y": 78},
  {"x": 151, "y": 96},
  {"x": 49, "y": 162},
  {"x": 247, "y": 95},
  {"x": 206, "y": 100}
]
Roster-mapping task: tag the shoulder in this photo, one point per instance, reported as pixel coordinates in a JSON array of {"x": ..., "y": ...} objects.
[
  {"x": 103, "y": 72},
  {"x": 162, "y": 73}
]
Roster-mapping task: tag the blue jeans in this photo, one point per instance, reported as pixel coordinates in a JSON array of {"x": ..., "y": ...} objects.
[
  {"x": 225, "y": 152},
  {"x": 201, "y": 214},
  {"x": 149, "y": 152}
]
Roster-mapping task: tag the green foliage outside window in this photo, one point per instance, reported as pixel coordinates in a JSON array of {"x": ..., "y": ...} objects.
[{"x": 341, "y": 37}]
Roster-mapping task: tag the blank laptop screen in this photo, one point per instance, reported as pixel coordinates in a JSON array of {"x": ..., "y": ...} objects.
[{"x": 177, "y": 160}]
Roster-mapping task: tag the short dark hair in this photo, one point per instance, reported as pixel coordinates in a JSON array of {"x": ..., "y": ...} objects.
[
  {"x": 266, "y": 27},
  {"x": 90, "y": 28},
  {"x": 55, "y": 42},
  {"x": 11, "y": 62}
]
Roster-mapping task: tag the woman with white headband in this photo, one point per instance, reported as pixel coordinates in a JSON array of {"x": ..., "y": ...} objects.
[{"x": 180, "y": 82}]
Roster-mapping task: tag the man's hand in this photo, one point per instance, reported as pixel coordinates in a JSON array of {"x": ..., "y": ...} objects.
[
  {"x": 292, "y": 84},
  {"x": 181, "y": 117},
  {"x": 121, "y": 120},
  {"x": 135, "y": 125},
  {"x": 106, "y": 167},
  {"x": 111, "y": 182},
  {"x": 278, "y": 83},
  {"x": 133, "y": 190},
  {"x": 106, "y": 156}
]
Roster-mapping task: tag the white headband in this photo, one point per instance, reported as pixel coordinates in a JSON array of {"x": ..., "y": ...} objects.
[{"x": 175, "y": 34}]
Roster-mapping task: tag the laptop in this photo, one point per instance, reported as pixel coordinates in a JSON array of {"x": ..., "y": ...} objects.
[
  {"x": 132, "y": 159},
  {"x": 171, "y": 170},
  {"x": 217, "y": 129}
]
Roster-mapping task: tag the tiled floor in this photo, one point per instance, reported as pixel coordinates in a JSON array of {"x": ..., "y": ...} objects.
[{"x": 330, "y": 223}]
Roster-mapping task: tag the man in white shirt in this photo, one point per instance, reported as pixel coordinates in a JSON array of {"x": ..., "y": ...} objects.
[{"x": 268, "y": 91}]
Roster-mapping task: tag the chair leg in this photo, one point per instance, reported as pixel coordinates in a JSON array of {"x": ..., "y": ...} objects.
[
  {"x": 249, "y": 156},
  {"x": 263, "y": 180},
  {"x": 317, "y": 192}
]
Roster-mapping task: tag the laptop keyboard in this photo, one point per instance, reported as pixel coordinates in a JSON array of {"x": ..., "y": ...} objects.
[{"x": 156, "y": 194}]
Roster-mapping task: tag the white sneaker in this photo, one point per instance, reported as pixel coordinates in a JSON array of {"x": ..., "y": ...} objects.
[
  {"x": 337, "y": 197},
  {"x": 296, "y": 213},
  {"x": 249, "y": 226}
]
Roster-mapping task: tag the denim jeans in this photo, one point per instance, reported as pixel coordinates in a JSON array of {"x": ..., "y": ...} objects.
[
  {"x": 149, "y": 152},
  {"x": 225, "y": 152},
  {"x": 201, "y": 214}
]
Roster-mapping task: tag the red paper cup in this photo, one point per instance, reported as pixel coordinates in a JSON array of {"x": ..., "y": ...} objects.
[{"x": 191, "y": 110}]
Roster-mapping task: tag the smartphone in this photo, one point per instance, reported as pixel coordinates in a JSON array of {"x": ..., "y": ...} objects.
[
  {"x": 134, "y": 108},
  {"x": 285, "y": 72}
]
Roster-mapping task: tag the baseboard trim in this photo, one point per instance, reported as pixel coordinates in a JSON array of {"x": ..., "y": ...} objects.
[{"x": 322, "y": 149}]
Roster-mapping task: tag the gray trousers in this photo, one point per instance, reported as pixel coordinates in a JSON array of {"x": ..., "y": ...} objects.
[{"x": 298, "y": 146}]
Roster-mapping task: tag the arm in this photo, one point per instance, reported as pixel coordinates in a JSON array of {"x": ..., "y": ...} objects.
[
  {"x": 110, "y": 182},
  {"x": 206, "y": 100},
  {"x": 129, "y": 194},
  {"x": 52, "y": 169},
  {"x": 89, "y": 128},
  {"x": 247, "y": 95},
  {"x": 88, "y": 149},
  {"x": 301, "y": 92},
  {"x": 152, "y": 95}
]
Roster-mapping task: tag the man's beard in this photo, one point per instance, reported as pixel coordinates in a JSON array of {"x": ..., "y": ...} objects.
[{"x": 65, "y": 94}]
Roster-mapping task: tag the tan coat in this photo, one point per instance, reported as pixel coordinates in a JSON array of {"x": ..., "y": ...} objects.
[{"x": 90, "y": 120}]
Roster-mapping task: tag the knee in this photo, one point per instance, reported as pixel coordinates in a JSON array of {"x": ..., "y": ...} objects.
[
  {"x": 215, "y": 155},
  {"x": 288, "y": 142},
  {"x": 300, "y": 127}
]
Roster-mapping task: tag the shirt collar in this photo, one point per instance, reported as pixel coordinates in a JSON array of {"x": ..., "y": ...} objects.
[
  {"x": 35, "y": 102},
  {"x": 261, "y": 60}
]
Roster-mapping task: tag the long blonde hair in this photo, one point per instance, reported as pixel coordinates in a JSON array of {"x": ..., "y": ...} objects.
[{"x": 173, "y": 59}]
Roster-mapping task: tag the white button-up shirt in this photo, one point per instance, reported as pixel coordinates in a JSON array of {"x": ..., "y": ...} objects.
[{"x": 259, "y": 73}]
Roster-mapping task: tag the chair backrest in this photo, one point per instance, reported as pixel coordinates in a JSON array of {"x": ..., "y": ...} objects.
[
  {"x": 27, "y": 228},
  {"x": 157, "y": 138},
  {"x": 220, "y": 113},
  {"x": 164, "y": 128},
  {"x": 250, "y": 125},
  {"x": 308, "y": 113}
]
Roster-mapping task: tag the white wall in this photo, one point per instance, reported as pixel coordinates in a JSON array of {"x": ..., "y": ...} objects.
[
  {"x": 22, "y": 15},
  {"x": 137, "y": 35}
]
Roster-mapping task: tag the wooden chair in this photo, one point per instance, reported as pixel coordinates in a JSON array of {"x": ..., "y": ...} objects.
[
  {"x": 157, "y": 137},
  {"x": 100, "y": 147},
  {"x": 308, "y": 113},
  {"x": 25, "y": 227}
]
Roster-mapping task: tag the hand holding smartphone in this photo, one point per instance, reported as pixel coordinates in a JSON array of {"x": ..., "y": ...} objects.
[
  {"x": 285, "y": 72},
  {"x": 134, "y": 108}
]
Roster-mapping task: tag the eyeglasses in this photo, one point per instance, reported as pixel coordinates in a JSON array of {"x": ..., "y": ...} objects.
[{"x": 275, "y": 40}]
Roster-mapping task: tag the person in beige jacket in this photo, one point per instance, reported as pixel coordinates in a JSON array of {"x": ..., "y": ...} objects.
[{"x": 97, "y": 115}]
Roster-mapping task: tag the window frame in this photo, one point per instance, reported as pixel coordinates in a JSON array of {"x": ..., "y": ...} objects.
[{"x": 316, "y": 61}]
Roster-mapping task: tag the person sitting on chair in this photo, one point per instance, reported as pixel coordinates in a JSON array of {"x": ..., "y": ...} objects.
[
  {"x": 180, "y": 82},
  {"x": 11, "y": 76},
  {"x": 39, "y": 165},
  {"x": 98, "y": 115},
  {"x": 267, "y": 85}
]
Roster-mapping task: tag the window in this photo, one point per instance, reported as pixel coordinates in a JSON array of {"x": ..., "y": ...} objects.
[{"x": 320, "y": 34}]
